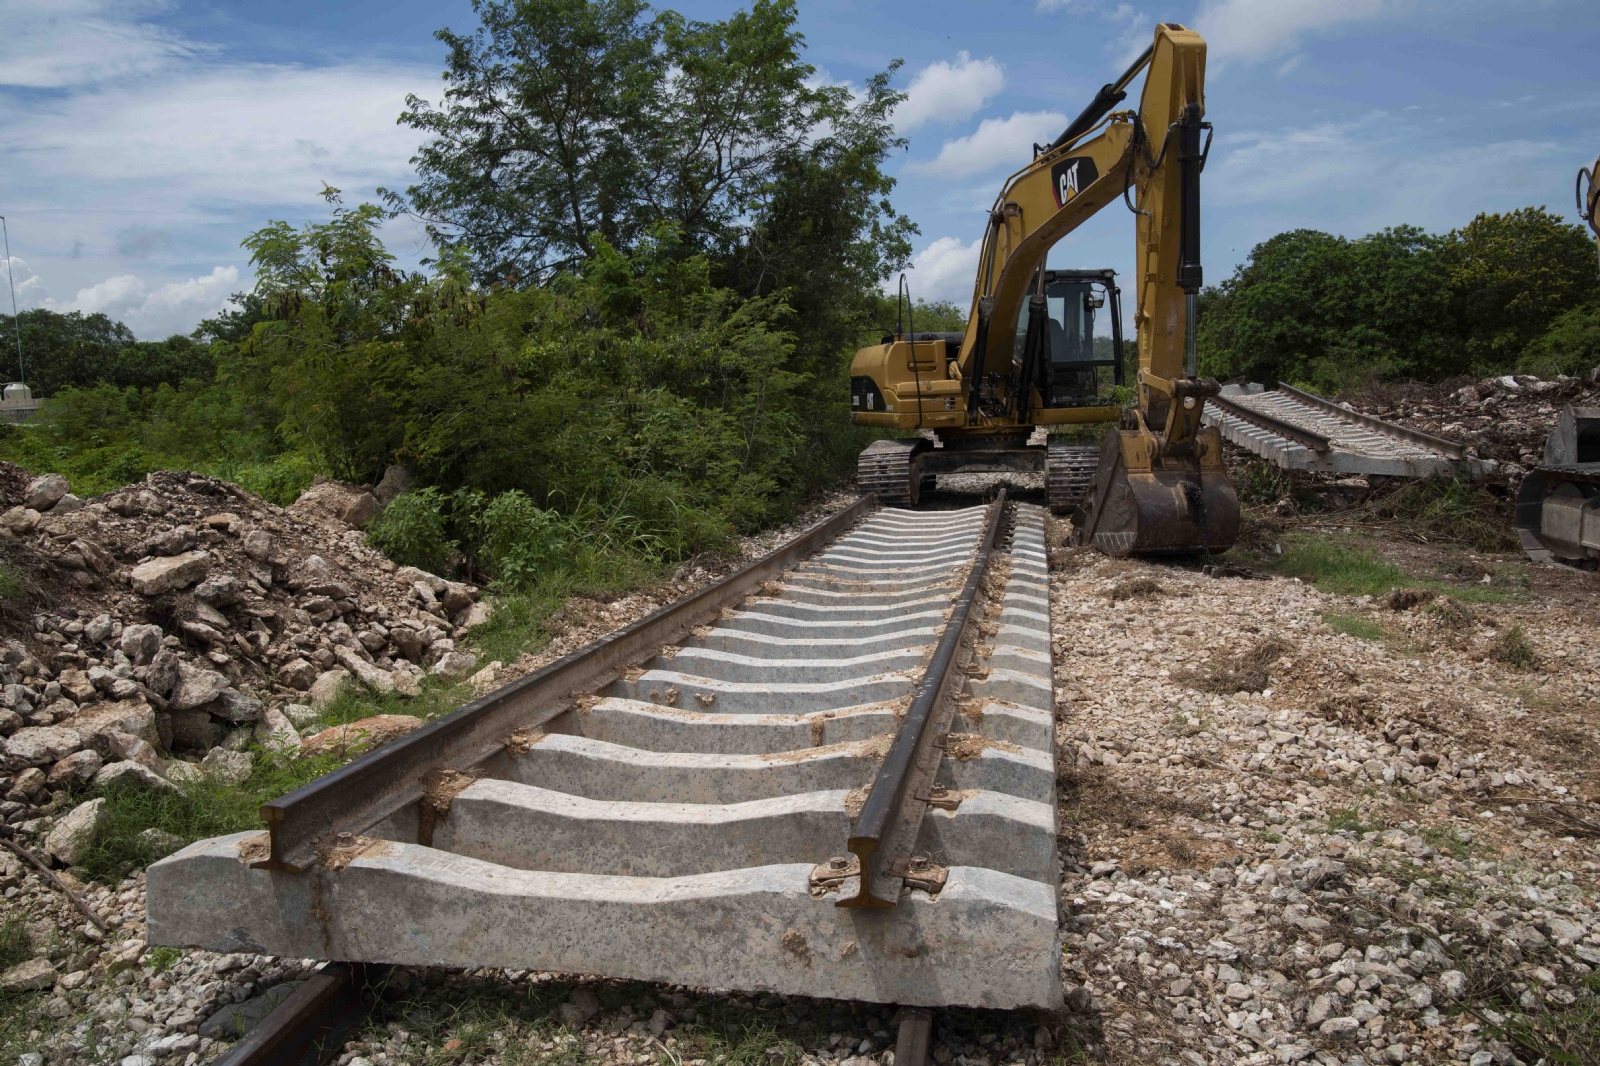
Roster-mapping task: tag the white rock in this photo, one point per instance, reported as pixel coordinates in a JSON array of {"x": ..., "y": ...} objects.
[
  {"x": 131, "y": 773},
  {"x": 455, "y": 665},
  {"x": 326, "y": 687},
  {"x": 374, "y": 677},
  {"x": 140, "y": 643},
  {"x": 1453, "y": 983},
  {"x": 300, "y": 714},
  {"x": 73, "y": 834},
  {"x": 170, "y": 572},
  {"x": 228, "y": 767},
  {"x": 197, "y": 687},
  {"x": 485, "y": 680},
  {"x": 45, "y": 491},
  {"x": 28, "y": 976}
]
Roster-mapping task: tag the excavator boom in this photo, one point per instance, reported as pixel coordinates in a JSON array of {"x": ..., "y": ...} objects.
[{"x": 1158, "y": 484}]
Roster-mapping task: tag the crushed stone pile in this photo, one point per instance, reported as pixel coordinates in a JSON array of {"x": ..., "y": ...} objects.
[
  {"x": 1504, "y": 418},
  {"x": 183, "y": 618}
]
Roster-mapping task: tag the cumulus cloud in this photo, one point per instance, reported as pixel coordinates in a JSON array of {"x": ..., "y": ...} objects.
[
  {"x": 251, "y": 134},
  {"x": 49, "y": 44},
  {"x": 944, "y": 270},
  {"x": 1265, "y": 29},
  {"x": 946, "y": 92},
  {"x": 997, "y": 142},
  {"x": 158, "y": 311}
]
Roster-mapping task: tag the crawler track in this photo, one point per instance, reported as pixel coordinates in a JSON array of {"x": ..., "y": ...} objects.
[{"x": 687, "y": 813}]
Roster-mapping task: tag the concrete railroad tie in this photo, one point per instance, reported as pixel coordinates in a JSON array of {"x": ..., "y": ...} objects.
[{"x": 668, "y": 831}]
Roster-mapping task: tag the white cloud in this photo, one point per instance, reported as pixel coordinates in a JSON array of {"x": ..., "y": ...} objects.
[
  {"x": 946, "y": 92},
  {"x": 1261, "y": 29},
  {"x": 1359, "y": 176},
  {"x": 49, "y": 44},
  {"x": 174, "y": 307},
  {"x": 997, "y": 142},
  {"x": 944, "y": 270},
  {"x": 244, "y": 134}
]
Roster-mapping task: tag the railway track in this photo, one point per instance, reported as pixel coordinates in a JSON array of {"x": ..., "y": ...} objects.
[
  {"x": 829, "y": 774},
  {"x": 1301, "y": 431}
]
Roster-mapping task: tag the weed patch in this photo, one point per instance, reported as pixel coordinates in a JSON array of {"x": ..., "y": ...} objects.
[
  {"x": 1332, "y": 565},
  {"x": 1248, "y": 671},
  {"x": 1139, "y": 588},
  {"x": 1354, "y": 625},
  {"x": 1349, "y": 818},
  {"x": 1514, "y": 649},
  {"x": 16, "y": 945}
]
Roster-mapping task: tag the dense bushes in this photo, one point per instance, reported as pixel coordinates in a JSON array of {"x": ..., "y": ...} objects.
[
  {"x": 1506, "y": 292},
  {"x": 73, "y": 349}
]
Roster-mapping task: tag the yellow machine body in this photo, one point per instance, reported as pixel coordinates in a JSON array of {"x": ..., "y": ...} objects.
[{"x": 1170, "y": 493}]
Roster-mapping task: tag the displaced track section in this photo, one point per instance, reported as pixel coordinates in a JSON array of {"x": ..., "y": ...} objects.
[
  {"x": 1301, "y": 431},
  {"x": 688, "y": 819}
]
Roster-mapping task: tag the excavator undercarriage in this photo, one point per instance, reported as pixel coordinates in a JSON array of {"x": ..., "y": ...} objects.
[{"x": 1031, "y": 357}]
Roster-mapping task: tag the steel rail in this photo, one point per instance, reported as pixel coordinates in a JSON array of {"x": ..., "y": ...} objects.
[
  {"x": 311, "y": 1026},
  {"x": 385, "y": 780},
  {"x": 1315, "y": 441},
  {"x": 1448, "y": 448},
  {"x": 883, "y": 807}
]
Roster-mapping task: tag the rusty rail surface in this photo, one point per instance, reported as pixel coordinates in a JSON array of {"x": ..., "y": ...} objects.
[
  {"x": 1310, "y": 439},
  {"x": 893, "y": 809},
  {"x": 1448, "y": 448},
  {"x": 386, "y": 780}
]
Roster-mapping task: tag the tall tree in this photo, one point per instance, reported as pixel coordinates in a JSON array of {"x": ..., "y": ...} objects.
[
  {"x": 1511, "y": 275},
  {"x": 566, "y": 119}
]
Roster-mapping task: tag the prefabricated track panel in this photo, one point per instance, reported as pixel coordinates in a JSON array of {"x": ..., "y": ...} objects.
[{"x": 668, "y": 829}]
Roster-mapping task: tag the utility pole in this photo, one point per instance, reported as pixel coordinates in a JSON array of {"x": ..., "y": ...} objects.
[{"x": 16, "y": 321}]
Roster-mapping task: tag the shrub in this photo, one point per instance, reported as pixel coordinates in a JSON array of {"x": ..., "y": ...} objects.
[{"x": 411, "y": 531}]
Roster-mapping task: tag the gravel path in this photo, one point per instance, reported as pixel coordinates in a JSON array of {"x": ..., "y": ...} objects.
[{"x": 1292, "y": 844}]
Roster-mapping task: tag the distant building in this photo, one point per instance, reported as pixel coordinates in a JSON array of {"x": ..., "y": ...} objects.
[{"x": 17, "y": 404}]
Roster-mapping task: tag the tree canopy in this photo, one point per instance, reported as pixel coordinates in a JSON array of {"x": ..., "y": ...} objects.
[
  {"x": 74, "y": 349},
  {"x": 1331, "y": 312}
]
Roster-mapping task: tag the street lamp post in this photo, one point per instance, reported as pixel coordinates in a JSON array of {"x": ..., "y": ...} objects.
[{"x": 16, "y": 321}]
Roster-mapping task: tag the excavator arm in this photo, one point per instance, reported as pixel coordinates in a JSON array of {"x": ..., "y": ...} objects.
[{"x": 1148, "y": 159}]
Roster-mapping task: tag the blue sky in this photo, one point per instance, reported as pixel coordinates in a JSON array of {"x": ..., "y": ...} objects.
[{"x": 141, "y": 141}]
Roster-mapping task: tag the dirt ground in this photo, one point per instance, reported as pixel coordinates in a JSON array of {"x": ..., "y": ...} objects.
[{"x": 1293, "y": 842}]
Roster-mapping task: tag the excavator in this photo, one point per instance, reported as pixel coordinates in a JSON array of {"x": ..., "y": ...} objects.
[
  {"x": 1558, "y": 505},
  {"x": 1029, "y": 358}
]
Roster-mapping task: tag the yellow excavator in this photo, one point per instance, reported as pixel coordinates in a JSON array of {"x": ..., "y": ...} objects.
[{"x": 1030, "y": 356}]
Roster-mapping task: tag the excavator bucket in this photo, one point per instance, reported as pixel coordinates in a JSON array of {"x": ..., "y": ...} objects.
[{"x": 1181, "y": 507}]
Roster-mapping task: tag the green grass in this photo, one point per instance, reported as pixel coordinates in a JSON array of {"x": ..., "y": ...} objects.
[
  {"x": 1354, "y": 625},
  {"x": 1333, "y": 565},
  {"x": 16, "y": 945},
  {"x": 1564, "y": 1036},
  {"x": 1349, "y": 818}
]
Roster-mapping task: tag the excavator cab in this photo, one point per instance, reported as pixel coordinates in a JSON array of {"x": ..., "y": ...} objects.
[{"x": 1083, "y": 336}]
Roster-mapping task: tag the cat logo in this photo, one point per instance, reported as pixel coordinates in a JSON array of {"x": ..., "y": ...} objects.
[{"x": 1071, "y": 176}]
